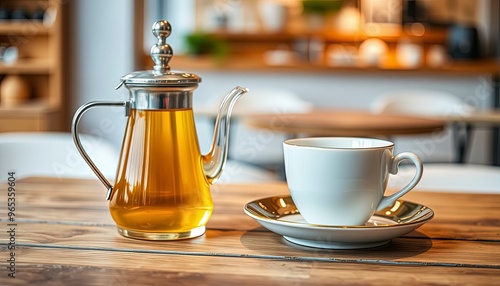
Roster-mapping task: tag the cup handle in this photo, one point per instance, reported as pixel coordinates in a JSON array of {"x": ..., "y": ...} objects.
[
  {"x": 388, "y": 201},
  {"x": 78, "y": 143}
]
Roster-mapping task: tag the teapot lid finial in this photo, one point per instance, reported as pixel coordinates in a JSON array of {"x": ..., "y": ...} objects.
[
  {"x": 161, "y": 75},
  {"x": 161, "y": 52}
]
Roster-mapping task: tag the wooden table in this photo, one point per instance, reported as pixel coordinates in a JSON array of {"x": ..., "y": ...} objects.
[
  {"x": 64, "y": 236},
  {"x": 489, "y": 117},
  {"x": 333, "y": 122}
]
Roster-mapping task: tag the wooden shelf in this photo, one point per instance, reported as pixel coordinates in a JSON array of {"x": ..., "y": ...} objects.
[
  {"x": 436, "y": 36},
  {"x": 27, "y": 27},
  {"x": 249, "y": 64},
  {"x": 28, "y": 66},
  {"x": 40, "y": 66},
  {"x": 247, "y": 50},
  {"x": 31, "y": 116},
  {"x": 38, "y": 106}
]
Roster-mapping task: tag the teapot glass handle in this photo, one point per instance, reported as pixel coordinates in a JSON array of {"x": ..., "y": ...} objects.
[{"x": 78, "y": 143}]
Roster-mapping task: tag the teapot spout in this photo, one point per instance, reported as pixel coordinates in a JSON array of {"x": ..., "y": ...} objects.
[{"x": 214, "y": 161}]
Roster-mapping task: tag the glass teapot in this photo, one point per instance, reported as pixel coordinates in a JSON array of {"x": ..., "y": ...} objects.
[{"x": 162, "y": 187}]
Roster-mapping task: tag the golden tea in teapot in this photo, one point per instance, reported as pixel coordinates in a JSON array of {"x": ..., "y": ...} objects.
[{"x": 162, "y": 186}]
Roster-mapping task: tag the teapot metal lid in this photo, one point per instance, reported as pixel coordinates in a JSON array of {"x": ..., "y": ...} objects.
[{"x": 161, "y": 75}]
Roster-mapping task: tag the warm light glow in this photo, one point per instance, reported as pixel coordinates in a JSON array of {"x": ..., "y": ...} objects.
[
  {"x": 396, "y": 206},
  {"x": 282, "y": 203},
  {"x": 417, "y": 29},
  {"x": 262, "y": 206},
  {"x": 205, "y": 218},
  {"x": 381, "y": 17},
  {"x": 382, "y": 11},
  {"x": 348, "y": 20},
  {"x": 409, "y": 55},
  {"x": 373, "y": 51}
]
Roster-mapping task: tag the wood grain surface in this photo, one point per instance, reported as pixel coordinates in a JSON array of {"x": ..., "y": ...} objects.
[{"x": 65, "y": 236}]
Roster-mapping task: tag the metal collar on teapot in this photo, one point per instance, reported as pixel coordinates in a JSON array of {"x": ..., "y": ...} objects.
[{"x": 160, "y": 88}]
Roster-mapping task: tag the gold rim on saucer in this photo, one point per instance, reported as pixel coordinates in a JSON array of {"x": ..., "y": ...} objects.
[{"x": 280, "y": 215}]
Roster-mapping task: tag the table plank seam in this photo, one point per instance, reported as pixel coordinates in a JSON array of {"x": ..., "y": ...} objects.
[
  {"x": 91, "y": 224},
  {"x": 269, "y": 257},
  {"x": 72, "y": 223},
  {"x": 75, "y": 223}
]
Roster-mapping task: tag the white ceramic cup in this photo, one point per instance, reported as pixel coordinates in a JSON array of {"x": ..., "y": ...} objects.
[{"x": 340, "y": 181}]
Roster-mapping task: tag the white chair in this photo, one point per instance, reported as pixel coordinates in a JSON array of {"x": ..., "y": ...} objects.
[
  {"x": 54, "y": 155},
  {"x": 421, "y": 102},
  {"x": 437, "y": 176},
  {"x": 263, "y": 147},
  {"x": 257, "y": 151},
  {"x": 450, "y": 145}
]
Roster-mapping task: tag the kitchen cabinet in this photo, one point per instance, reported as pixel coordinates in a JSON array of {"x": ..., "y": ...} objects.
[{"x": 39, "y": 64}]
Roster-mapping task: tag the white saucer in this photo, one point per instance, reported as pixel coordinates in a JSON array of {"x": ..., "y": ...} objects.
[{"x": 280, "y": 215}]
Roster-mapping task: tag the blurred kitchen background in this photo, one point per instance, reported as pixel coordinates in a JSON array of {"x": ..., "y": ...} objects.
[{"x": 328, "y": 54}]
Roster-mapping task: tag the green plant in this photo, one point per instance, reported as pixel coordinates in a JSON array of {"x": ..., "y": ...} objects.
[
  {"x": 201, "y": 43},
  {"x": 321, "y": 7}
]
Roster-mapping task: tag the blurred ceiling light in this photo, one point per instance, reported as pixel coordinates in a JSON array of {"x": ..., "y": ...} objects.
[
  {"x": 436, "y": 56},
  {"x": 372, "y": 52},
  {"x": 409, "y": 55},
  {"x": 348, "y": 20},
  {"x": 415, "y": 29}
]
